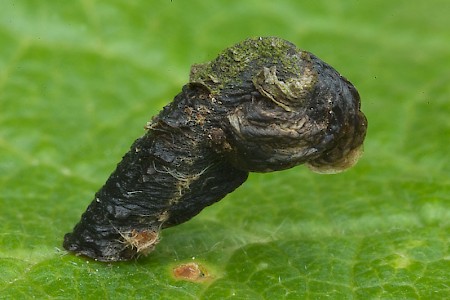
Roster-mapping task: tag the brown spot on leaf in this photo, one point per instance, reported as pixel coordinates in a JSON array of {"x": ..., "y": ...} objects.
[{"x": 191, "y": 272}]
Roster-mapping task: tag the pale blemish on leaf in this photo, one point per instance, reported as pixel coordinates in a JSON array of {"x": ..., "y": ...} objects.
[{"x": 401, "y": 261}]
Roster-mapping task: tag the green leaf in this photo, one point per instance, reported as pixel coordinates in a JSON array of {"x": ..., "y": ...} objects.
[{"x": 79, "y": 80}]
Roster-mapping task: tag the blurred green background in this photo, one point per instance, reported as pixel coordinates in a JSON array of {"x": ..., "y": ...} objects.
[{"x": 79, "y": 80}]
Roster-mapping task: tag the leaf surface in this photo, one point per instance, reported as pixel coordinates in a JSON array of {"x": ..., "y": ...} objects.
[{"x": 79, "y": 80}]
